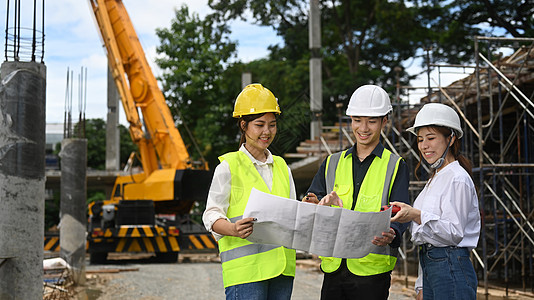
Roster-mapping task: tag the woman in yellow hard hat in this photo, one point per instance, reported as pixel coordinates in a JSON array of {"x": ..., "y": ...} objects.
[{"x": 250, "y": 271}]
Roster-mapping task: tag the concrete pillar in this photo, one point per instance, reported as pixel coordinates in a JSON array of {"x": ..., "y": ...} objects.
[
  {"x": 73, "y": 222},
  {"x": 22, "y": 179},
  {"x": 316, "y": 82},
  {"x": 112, "y": 127},
  {"x": 246, "y": 79}
]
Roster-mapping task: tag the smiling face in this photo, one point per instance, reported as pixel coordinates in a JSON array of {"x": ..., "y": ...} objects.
[
  {"x": 367, "y": 130},
  {"x": 259, "y": 133},
  {"x": 432, "y": 144}
]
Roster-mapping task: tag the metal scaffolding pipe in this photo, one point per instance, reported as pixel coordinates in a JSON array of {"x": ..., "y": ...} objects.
[{"x": 481, "y": 170}]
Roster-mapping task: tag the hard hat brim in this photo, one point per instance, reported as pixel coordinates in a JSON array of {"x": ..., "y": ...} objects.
[
  {"x": 458, "y": 132},
  {"x": 238, "y": 115}
]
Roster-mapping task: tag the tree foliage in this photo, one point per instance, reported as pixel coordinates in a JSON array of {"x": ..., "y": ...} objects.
[
  {"x": 194, "y": 54},
  {"x": 514, "y": 17},
  {"x": 362, "y": 42}
]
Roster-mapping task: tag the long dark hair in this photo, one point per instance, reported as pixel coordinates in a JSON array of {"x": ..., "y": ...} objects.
[
  {"x": 247, "y": 119},
  {"x": 454, "y": 149}
]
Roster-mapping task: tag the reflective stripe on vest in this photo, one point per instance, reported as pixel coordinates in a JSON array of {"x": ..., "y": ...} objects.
[
  {"x": 244, "y": 250},
  {"x": 243, "y": 261},
  {"x": 382, "y": 170}
]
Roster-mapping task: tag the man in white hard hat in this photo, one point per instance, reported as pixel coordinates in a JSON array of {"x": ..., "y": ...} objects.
[{"x": 363, "y": 178}]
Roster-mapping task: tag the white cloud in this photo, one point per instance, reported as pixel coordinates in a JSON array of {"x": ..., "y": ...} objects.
[{"x": 252, "y": 40}]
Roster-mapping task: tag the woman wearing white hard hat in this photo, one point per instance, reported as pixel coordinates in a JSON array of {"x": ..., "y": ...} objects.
[
  {"x": 445, "y": 216},
  {"x": 250, "y": 271}
]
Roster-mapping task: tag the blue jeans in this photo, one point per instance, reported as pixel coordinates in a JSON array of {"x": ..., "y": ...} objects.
[
  {"x": 271, "y": 289},
  {"x": 448, "y": 273}
]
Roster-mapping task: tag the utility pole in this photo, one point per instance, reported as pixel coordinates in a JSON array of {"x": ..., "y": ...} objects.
[
  {"x": 246, "y": 79},
  {"x": 112, "y": 127},
  {"x": 316, "y": 88}
]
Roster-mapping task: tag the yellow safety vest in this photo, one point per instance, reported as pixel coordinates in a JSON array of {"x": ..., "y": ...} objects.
[
  {"x": 374, "y": 193},
  {"x": 243, "y": 261}
]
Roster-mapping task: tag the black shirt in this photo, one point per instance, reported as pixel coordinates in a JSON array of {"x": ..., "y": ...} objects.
[{"x": 399, "y": 190}]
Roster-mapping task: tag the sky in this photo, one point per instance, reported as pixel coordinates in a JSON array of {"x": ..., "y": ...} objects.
[{"x": 72, "y": 41}]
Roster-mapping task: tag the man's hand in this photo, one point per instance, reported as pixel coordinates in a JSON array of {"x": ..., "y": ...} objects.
[
  {"x": 310, "y": 198},
  {"x": 331, "y": 199},
  {"x": 385, "y": 239}
]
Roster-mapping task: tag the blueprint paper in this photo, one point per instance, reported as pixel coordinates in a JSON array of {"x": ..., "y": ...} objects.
[{"x": 321, "y": 230}]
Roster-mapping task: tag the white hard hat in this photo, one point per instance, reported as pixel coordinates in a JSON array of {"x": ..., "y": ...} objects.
[
  {"x": 369, "y": 101},
  {"x": 437, "y": 114}
]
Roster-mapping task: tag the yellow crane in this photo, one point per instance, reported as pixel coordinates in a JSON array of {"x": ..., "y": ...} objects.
[{"x": 148, "y": 211}]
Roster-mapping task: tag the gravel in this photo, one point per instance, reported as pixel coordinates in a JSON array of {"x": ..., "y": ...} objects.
[{"x": 197, "y": 277}]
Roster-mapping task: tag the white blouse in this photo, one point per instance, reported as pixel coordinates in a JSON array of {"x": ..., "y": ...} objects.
[
  {"x": 449, "y": 210},
  {"x": 219, "y": 193}
]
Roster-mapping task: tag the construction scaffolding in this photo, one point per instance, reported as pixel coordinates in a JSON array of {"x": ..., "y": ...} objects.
[{"x": 495, "y": 103}]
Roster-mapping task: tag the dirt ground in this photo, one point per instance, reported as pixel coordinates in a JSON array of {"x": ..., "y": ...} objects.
[{"x": 199, "y": 277}]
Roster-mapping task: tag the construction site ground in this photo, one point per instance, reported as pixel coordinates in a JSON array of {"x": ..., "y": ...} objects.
[{"x": 198, "y": 276}]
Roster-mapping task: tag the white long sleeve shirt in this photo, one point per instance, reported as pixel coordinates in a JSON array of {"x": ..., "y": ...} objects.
[
  {"x": 219, "y": 193},
  {"x": 449, "y": 211}
]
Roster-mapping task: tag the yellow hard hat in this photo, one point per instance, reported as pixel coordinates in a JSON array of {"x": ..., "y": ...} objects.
[{"x": 255, "y": 99}]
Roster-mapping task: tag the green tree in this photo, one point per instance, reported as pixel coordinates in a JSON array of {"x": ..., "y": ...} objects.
[
  {"x": 95, "y": 132},
  {"x": 52, "y": 207},
  {"x": 195, "y": 53},
  {"x": 362, "y": 42},
  {"x": 513, "y": 16},
  {"x": 453, "y": 25}
]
